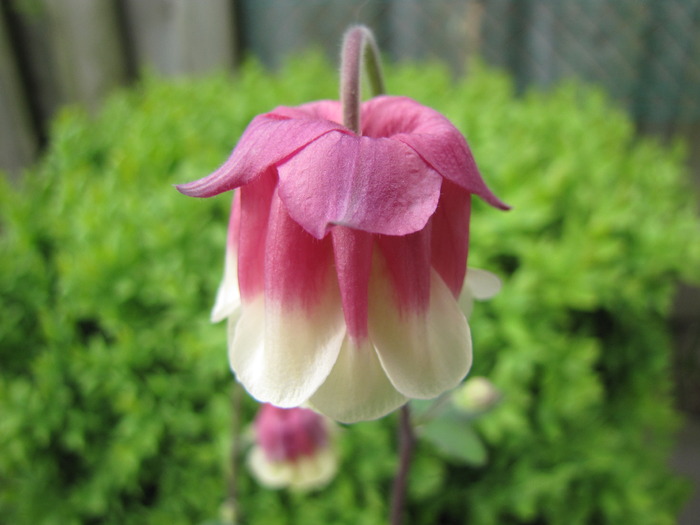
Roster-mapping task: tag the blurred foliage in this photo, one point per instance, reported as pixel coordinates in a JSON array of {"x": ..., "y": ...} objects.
[{"x": 115, "y": 390}]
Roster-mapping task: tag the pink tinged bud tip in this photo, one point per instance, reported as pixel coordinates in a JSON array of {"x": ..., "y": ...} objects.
[{"x": 350, "y": 252}]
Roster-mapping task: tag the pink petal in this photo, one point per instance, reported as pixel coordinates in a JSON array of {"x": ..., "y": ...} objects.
[
  {"x": 357, "y": 388},
  {"x": 405, "y": 264},
  {"x": 323, "y": 109},
  {"x": 449, "y": 240},
  {"x": 298, "y": 267},
  {"x": 228, "y": 298},
  {"x": 255, "y": 204},
  {"x": 268, "y": 139},
  {"x": 353, "y": 262},
  {"x": 432, "y": 136},
  {"x": 288, "y": 339},
  {"x": 375, "y": 185},
  {"x": 288, "y": 434}
]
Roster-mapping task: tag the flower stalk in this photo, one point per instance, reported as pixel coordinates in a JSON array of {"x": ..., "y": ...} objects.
[
  {"x": 359, "y": 47},
  {"x": 407, "y": 440},
  {"x": 231, "y": 505}
]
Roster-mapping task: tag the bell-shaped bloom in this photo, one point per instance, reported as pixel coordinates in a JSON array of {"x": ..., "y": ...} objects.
[
  {"x": 292, "y": 449},
  {"x": 347, "y": 254}
]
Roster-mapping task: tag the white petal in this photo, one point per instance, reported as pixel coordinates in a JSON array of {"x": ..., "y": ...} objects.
[
  {"x": 466, "y": 302},
  {"x": 482, "y": 284},
  {"x": 272, "y": 474},
  {"x": 315, "y": 471},
  {"x": 228, "y": 298},
  {"x": 423, "y": 354},
  {"x": 357, "y": 388},
  {"x": 305, "y": 473},
  {"x": 479, "y": 284},
  {"x": 282, "y": 356}
]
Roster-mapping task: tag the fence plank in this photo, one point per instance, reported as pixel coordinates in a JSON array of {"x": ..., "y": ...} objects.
[
  {"x": 599, "y": 41},
  {"x": 87, "y": 49},
  {"x": 18, "y": 142},
  {"x": 449, "y": 30},
  {"x": 179, "y": 37},
  {"x": 272, "y": 29},
  {"x": 671, "y": 88},
  {"x": 30, "y": 26},
  {"x": 504, "y": 35}
]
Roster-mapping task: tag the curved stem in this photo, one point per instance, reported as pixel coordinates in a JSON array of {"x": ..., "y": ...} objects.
[
  {"x": 358, "y": 46},
  {"x": 407, "y": 440},
  {"x": 235, "y": 450}
]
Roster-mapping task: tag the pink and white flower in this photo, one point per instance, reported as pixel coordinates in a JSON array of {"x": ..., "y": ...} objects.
[
  {"x": 346, "y": 255},
  {"x": 292, "y": 449}
]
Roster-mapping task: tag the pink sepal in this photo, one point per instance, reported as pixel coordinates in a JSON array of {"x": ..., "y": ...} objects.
[
  {"x": 377, "y": 185},
  {"x": 268, "y": 140},
  {"x": 432, "y": 136}
]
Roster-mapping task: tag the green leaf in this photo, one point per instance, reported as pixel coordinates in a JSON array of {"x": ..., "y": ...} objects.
[{"x": 455, "y": 439}]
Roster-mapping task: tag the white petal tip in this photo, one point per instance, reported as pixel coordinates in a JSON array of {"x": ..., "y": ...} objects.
[
  {"x": 307, "y": 473},
  {"x": 482, "y": 284},
  {"x": 282, "y": 357},
  {"x": 357, "y": 388},
  {"x": 424, "y": 354}
]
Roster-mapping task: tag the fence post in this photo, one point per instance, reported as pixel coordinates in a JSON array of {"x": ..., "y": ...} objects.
[
  {"x": 18, "y": 140},
  {"x": 449, "y": 30},
  {"x": 179, "y": 37},
  {"x": 87, "y": 49},
  {"x": 273, "y": 29}
]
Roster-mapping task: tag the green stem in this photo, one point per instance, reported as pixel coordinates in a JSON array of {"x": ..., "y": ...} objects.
[
  {"x": 359, "y": 47},
  {"x": 235, "y": 451},
  {"x": 407, "y": 441}
]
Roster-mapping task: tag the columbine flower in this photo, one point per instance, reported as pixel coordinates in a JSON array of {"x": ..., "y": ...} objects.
[
  {"x": 347, "y": 253},
  {"x": 292, "y": 449}
]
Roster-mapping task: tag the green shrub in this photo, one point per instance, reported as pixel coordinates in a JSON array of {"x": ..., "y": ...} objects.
[{"x": 115, "y": 390}]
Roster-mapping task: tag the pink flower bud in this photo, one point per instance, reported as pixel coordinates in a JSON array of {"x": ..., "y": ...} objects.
[{"x": 292, "y": 448}]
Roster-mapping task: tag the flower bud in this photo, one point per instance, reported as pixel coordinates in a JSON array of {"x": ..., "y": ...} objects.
[
  {"x": 293, "y": 449},
  {"x": 477, "y": 394}
]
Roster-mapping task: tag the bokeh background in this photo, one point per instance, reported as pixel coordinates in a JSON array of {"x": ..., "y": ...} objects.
[{"x": 645, "y": 55}]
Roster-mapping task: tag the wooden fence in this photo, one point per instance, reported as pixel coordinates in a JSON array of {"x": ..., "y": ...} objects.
[{"x": 646, "y": 53}]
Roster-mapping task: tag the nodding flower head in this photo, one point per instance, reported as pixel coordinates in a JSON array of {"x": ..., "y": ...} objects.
[
  {"x": 347, "y": 251},
  {"x": 346, "y": 254}
]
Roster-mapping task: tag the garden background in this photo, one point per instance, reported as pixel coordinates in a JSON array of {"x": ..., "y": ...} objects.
[{"x": 645, "y": 55}]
